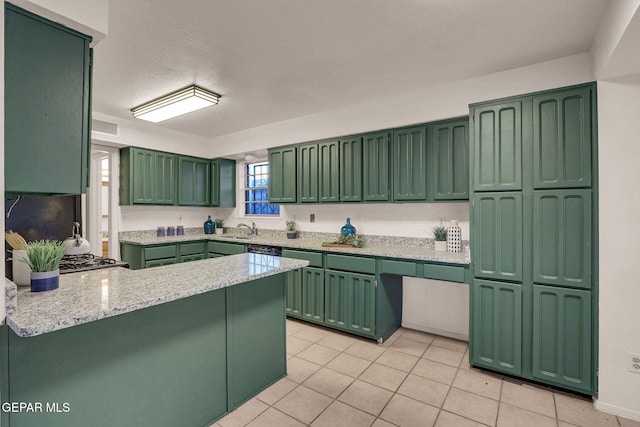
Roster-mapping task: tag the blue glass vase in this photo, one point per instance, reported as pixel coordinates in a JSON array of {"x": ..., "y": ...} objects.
[
  {"x": 348, "y": 229},
  {"x": 209, "y": 226}
]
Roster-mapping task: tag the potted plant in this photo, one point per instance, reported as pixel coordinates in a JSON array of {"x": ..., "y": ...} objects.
[
  {"x": 291, "y": 230},
  {"x": 43, "y": 258},
  {"x": 219, "y": 223},
  {"x": 440, "y": 235}
]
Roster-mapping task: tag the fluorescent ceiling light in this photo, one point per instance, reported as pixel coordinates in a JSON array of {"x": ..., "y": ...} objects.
[{"x": 176, "y": 104}]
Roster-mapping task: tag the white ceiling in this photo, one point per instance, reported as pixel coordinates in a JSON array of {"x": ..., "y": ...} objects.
[{"x": 273, "y": 60}]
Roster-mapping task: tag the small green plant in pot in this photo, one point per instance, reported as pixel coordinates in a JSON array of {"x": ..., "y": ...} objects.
[
  {"x": 292, "y": 233},
  {"x": 219, "y": 222},
  {"x": 440, "y": 236},
  {"x": 43, "y": 258}
]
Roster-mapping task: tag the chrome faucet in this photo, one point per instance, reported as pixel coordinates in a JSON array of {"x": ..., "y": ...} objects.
[{"x": 252, "y": 229}]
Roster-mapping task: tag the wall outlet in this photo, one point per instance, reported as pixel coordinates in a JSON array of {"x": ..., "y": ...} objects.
[
  {"x": 634, "y": 363},
  {"x": 312, "y": 217}
]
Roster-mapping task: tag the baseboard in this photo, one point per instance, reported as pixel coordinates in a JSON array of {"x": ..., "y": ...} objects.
[
  {"x": 422, "y": 328},
  {"x": 616, "y": 410}
]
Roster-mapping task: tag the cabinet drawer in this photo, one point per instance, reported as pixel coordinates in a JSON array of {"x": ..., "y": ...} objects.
[
  {"x": 226, "y": 248},
  {"x": 192, "y": 248},
  {"x": 351, "y": 263},
  {"x": 159, "y": 252},
  {"x": 401, "y": 268},
  {"x": 189, "y": 258},
  {"x": 444, "y": 272},
  {"x": 314, "y": 258}
]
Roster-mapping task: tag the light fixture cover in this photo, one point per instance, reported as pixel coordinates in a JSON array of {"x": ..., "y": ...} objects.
[{"x": 175, "y": 104}]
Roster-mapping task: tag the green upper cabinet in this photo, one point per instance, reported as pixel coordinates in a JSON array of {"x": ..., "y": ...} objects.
[
  {"x": 497, "y": 147},
  {"x": 376, "y": 166},
  {"x": 497, "y": 235},
  {"x": 282, "y": 175},
  {"x": 329, "y": 171},
  {"x": 562, "y": 353},
  {"x": 410, "y": 163},
  {"x": 562, "y": 237},
  {"x": 194, "y": 181},
  {"x": 147, "y": 177},
  {"x": 351, "y": 169},
  {"x": 47, "y": 75},
  {"x": 449, "y": 159},
  {"x": 562, "y": 139},
  {"x": 496, "y": 326},
  {"x": 223, "y": 183},
  {"x": 308, "y": 173}
]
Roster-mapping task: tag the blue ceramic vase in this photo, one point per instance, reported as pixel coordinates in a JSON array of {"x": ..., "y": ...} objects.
[
  {"x": 348, "y": 229},
  {"x": 209, "y": 226}
]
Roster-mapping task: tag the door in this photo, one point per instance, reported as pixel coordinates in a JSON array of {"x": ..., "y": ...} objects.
[
  {"x": 498, "y": 147},
  {"x": 562, "y": 337},
  {"x": 293, "y": 292},
  {"x": 410, "y": 163},
  {"x": 313, "y": 294},
  {"x": 143, "y": 176},
  {"x": 283, "y": 175},
  {"x": 351, "y": 169},
  {"x": 562, "y": 139},
  {"x": 375, "y": 166},
  {"x": 336, "y": 296},
  {"x": 361, "y": 303},
  {"x": 193, "y": 181},
  {"x": 308, "y": 173},
  {"x": 329, "y": 171},
  {"x": 449, "y": 163},
  {"x": 165, "y": 179},
  {"x": 496, "y": 334},
  {"x": 497, "y": 236},
  {"x": 562, "y": 238}
]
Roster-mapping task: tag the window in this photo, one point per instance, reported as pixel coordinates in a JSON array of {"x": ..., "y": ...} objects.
[{"x": 256, "y": 195}]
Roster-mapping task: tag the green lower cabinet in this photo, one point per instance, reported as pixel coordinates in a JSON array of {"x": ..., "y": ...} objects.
[
  {"x": 562, "y": 337},
  {"x": 313, "y": 294},
  {"x": 293, "y": 293},
  {"x": 350, "y": 302},
  {"x": 496, "y": 332},
  {"x": 194, "y": 257}
]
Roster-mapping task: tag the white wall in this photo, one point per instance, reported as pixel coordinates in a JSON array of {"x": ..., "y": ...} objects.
[{"x": 619, "y": 207}]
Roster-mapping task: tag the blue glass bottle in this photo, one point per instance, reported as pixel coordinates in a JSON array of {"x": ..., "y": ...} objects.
[
  {"x": 348, "y": 229},
  {"x": 209, "y": 226}
]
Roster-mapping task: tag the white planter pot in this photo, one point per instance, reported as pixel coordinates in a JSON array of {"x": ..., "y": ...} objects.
[
  {"x": 219, "y": 230},
  {"x": 21, "y": 270},
  {"x": 440, "y": 246}
]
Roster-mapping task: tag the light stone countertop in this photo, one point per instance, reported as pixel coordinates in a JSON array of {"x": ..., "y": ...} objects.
[
  {"x": 87, "y": 296},
  {"x": 390, "y": 250}
]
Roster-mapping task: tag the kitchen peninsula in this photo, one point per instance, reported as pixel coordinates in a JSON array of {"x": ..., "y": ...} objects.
[{"x": 174, "y": 345}]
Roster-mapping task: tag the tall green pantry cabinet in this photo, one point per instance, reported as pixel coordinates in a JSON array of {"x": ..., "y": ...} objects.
[{"x": 534, "y": 229}]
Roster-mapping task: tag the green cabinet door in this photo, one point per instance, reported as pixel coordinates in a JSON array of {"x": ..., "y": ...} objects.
[
  {"x": 46, "y": 105},
  {"x": 329, "y": 171},
  {"x": 497, "y": 235},
  {"x": 165, "y": 179},
  {"x": 143, "y": 176},
  {"x": 562, "y": 139},
  {"x": 376, "y": 166},
  {"x": 562, "y": 337},
  {"x": 293, "y": 293},
  {"x": 313, "y": 294},
  {"x": 562, "y": 237},
  {"x": 194, "y": 180},
  {"x": 496, "y": 331},
  {"x": 410, "y": 163},
  {"x": 498, "y": 147},
  {"x": 336, "y": 293},
  {"x": 159, "y": 262},
  {"x": 308, "y": 173},
  {"x": 223, "y": 183},
  {"x": 361, "y": 304},
  {"x": 283, "y": 175},
  {"x": 449, "y": 159},
  {"x": 351, "y": 169}
]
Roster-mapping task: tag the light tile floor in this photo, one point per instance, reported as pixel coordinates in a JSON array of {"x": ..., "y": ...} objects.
[{"x": 412, "y": 379}]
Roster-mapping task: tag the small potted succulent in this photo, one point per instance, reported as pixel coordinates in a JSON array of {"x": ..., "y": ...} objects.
[
  {"x": 440, "y": 235},
  {"x": 292, "y": 233},
  {"x": 43, "y": 258},
  {"x": 219, "y": 223}
]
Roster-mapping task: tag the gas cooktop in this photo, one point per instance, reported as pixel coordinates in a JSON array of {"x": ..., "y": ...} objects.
[{"x": 86, "y": 262}]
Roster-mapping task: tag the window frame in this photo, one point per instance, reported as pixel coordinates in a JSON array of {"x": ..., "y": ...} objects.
[{"x": 244, "y": 188}]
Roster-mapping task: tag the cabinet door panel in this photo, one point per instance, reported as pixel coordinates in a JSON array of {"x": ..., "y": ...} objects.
[
  {"x": 308, "y": 173},
  {"x": 293, "y": 291},
  {"x": 375, "y": 166},
  {"x": 562, "y": 337},
  {"x": 497, "y": 235},
  {"x": 562, "y": 237},
  {"x": 450, "y": 165},
  {"x": 562, "y": 139},
  {"x": 194, "y": 182},
  {"x": 361, "y": 301},
  {"x": 329, "y": 172},
  {"x": 410, "y": 164},
  {"x": 351, "y": 170},
  {"x": 313, "y": 294},
  {"x": 496, "y": 335},
  {"x": 165, "y": 179},
  {"x": 336, "y": 299},
  {"x": 498, "y": 147},
  {"x": 144, "y": 176},
  {"x": 283, "y": 175}
]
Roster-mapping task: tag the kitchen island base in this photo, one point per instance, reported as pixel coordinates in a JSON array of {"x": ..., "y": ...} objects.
[{"x": 186, "y": 362}]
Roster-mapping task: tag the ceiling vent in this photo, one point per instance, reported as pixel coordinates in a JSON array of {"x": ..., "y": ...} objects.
[{"x": 104, "y": 127}]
